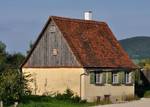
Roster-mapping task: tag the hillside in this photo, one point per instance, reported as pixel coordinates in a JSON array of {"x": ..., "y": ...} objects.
[{"x": 137, "y": 47}]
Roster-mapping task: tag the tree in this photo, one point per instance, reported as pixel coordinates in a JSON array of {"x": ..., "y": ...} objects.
[
  {"x": 13, "y": 84},
  {"x": 145, "y": 63},
  {"x": 2, "y": 56},
  {"x": 2, "y": 47},
  {"x": 142, "y": 84},
  {"x": 15, "y": 60}
]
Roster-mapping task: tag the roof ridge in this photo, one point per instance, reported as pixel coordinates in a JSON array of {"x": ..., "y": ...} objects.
[{"x": 78, "y": 20}]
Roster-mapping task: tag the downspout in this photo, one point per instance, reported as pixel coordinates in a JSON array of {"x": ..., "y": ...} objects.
[{"x": 81, "y": 81}]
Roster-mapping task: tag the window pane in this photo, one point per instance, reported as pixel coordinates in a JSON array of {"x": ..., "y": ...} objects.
[
  {"x": 128, "y": 77},
  {"x": 99, "y": 78},
  {"x": 115, "y": 78}
]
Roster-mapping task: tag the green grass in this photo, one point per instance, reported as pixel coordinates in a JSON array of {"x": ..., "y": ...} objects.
[
  {"x": 55, "y": 103},
  {"x": 147, "y": 94},
  {"x": 60, "y": 103},
  {"x": 48, "y": 101}
]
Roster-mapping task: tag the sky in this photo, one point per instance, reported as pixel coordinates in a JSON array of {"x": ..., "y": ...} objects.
[{"x": 22, "y": 20}]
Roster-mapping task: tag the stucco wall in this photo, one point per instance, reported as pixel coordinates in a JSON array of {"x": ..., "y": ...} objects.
[
  {"x": 58, "y": 79},
  {"x": 54, "y": 79},
  {"x": 115, "y": 92}
]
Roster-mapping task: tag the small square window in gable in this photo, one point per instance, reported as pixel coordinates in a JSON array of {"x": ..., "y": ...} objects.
[
  {"x": 55, "y": 52},
  {"x": 52, "y": 28}
]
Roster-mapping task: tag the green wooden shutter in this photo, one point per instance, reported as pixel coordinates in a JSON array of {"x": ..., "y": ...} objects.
[
  {"x": 109, "y": 79},
  {"x": 104, "y": 77},
  {"x": 132, "y": 77},
  {"x": 121, "y": 77},
  {"x": 92, "y": 78}
]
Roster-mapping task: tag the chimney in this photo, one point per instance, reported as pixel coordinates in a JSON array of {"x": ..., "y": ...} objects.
[{"x": 88, "y": 15}]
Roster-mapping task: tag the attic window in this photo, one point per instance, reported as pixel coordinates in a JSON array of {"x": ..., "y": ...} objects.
[
  {"x": 52, "y": 28},
  {"x": 55, "y": 52}
]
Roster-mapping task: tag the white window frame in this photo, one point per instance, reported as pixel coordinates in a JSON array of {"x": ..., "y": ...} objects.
[
  {"x": 128, "y": 77},
  {"x": 98, "y": 78},
  {"x": 115, "y": 78}
]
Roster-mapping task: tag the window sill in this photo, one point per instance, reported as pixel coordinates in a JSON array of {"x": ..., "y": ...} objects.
[
  {"x": 99, "y": 84},
  {"x": 116, "y": 84},
  {"x": 128, "y": 84}
]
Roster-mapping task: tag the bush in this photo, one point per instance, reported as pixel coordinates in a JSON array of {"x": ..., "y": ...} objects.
[
  {"x": 69, "y": 95},
  {"x": 13, "y": 86},
  {"x": 35, "y": 98},
  {"x": 147, "y": 94},
  {"x": 131, "y": 98},
  {"x": 83, "y": 101},
  {"x": 76, "y": 99},
  {"x": 103, "y": 102}
]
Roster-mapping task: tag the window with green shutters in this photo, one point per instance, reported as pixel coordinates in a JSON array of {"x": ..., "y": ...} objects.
[
  {"x": 98, "y": 78},
  {"x": 92, "y": 78},
  {"x": 109, "y": 77}
]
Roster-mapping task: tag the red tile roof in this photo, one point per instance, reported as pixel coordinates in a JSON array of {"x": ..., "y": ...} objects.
[{"x": 93, "y": 43}]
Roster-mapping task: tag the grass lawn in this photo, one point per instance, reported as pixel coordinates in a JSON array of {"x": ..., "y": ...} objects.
[
  {"x": 147, "y": 94},
  {"x": 47, "y": 101},
  {"x": 59, "y": 103},
  {"x": 55, "y": 103},
  {"x": 60, "y": 100}
]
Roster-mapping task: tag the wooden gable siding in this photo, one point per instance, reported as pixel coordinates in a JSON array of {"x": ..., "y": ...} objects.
[{"x": 42, "y": 56}]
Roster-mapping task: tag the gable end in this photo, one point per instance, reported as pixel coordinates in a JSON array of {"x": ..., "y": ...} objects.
[{"x": 50, "y": 50}]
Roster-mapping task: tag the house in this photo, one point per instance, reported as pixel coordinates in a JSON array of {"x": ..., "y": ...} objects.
[{"x": 82, "y": 55}]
